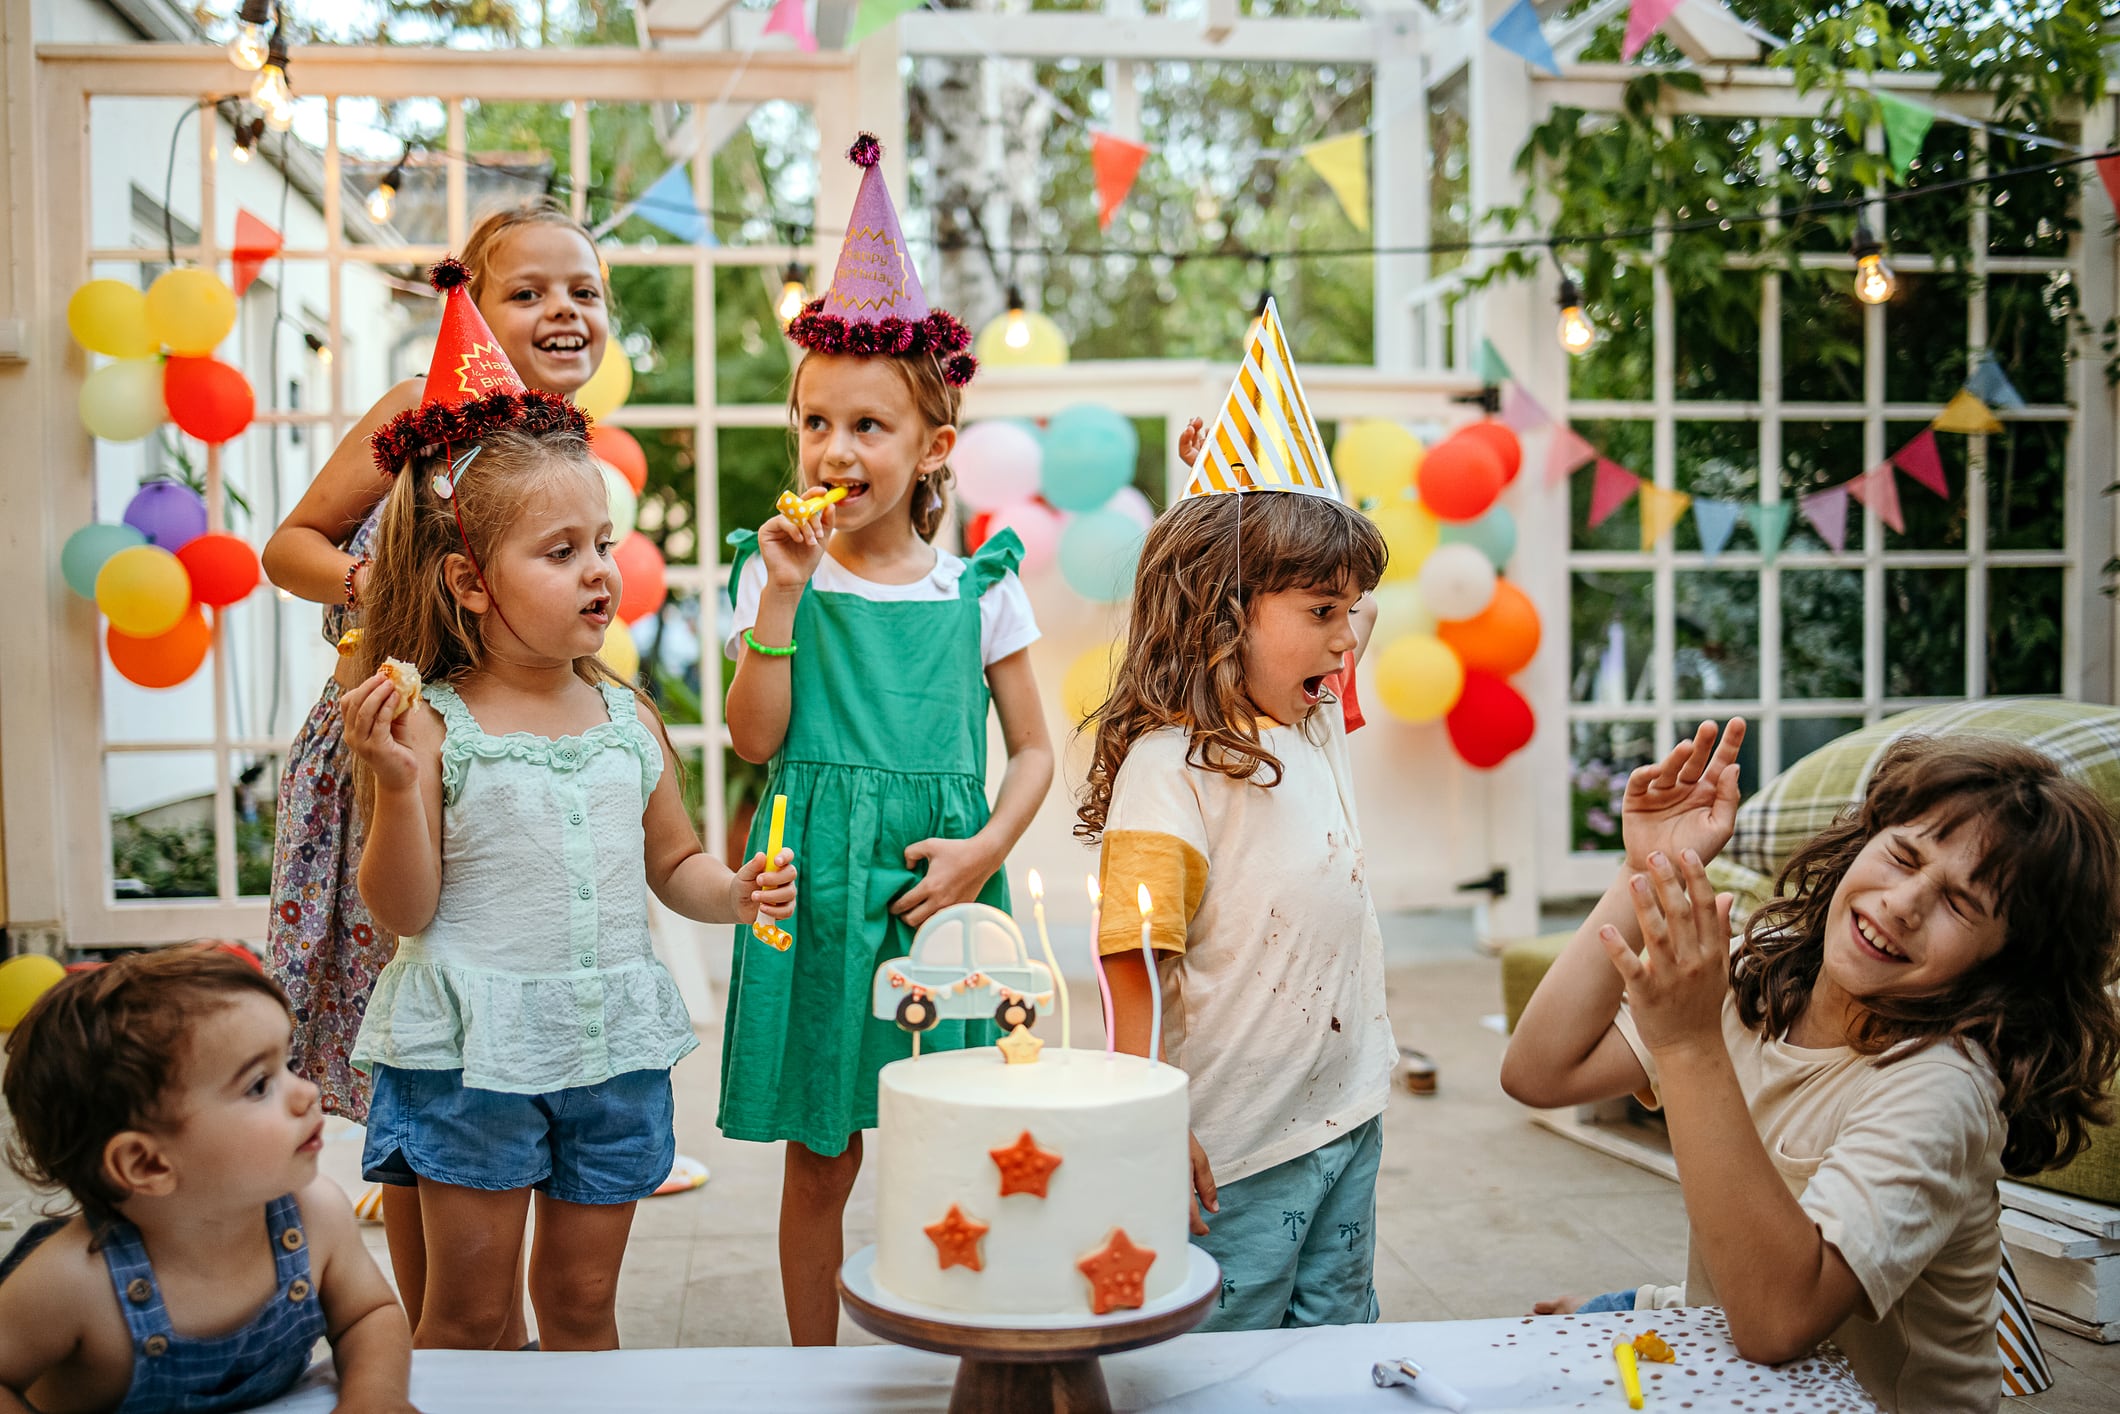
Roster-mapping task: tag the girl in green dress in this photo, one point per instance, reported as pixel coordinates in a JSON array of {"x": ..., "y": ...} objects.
[{"x": 866, "y": 658}]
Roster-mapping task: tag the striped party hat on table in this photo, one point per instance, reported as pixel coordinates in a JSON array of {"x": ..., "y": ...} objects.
[{"x": 1264, "y": 439}]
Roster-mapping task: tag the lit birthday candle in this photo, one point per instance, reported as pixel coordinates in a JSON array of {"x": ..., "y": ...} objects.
[
  {"x": 1096, "y": 959},
  {"x": 1052, "y": 964},
  {"x": 1155, "y": 983}
]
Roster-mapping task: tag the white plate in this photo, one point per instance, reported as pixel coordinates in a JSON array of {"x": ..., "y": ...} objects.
[{"x": 1202, "y": 1276}]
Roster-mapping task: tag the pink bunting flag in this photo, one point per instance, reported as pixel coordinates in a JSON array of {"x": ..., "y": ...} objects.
[
  {"x": 789, "y": 19},
  {"x": 1643, "y": 21},
  {"x": 1878, "y": 488},
  {"x": 1828, "y": 513},
  {"x": 1920, "y": 460},
  {"x": 1520, "y": 411},
  {"x": 1614, "y": 487},
  {"x": 1569, "y": 451}
]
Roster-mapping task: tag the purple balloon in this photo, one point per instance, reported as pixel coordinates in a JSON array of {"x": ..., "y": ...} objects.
[{"x": 168, "y": 513}]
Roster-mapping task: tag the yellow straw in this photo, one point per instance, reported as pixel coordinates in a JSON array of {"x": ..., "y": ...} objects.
[{"x": 1630, "y": 1378}]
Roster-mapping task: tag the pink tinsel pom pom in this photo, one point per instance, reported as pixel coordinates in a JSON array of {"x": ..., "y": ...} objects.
[{"x": 866, "y": 151}]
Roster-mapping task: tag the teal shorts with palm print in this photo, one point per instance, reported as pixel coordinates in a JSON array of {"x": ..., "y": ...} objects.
[{"x": 1297, "y": 1242}]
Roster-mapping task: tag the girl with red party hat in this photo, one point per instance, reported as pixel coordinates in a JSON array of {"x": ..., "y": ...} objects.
[{"x": 866, "y": 658}]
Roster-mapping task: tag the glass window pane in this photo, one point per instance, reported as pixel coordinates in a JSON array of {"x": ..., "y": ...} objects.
[
  {"x": 255, "y": 788},
  {"x": 1613, "y": 632},
  {"x": 1933, "y": 522},
  {"x": 1601, "y": 755},
  {"x": 161, "y": 824},
  {"x": 1924, "y": 337},
  {"x": 2028, "y": 332},
  {"x": 1617, "y": 365},
  {"x": 2033, "y": 215},
  {"x": 2024, "y": 631},
  {"x": 1718, "y": 461},
  {"x": 1821, "y": 338},
  {"x": 1924, "y": 633},
  {"x": 1821, "y": 634},
  {"x": 753, "y": 360},
  {"x": 756, "y": 465},
  {"x": 651, "y": 318},
  {"x": 1800, "y": 736},
  {"x": 2027, "y": 486},
  {"x": 1816, "y": 455},
  {"x": 1716, "y": 335},
  {"x": 1941, "y": 225},
  {"x": 1628, "y": 444},
  {"x": 1716, "y": 630}
]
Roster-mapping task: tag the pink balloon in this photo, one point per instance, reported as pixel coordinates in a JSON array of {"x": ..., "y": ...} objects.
[
  {"x": 997, "y": 464},
  {"x": 1129, "y": 502},
  {"x": 1037, "y": 525}
]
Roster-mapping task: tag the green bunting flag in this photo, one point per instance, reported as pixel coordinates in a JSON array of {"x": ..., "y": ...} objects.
[
  {"x": 1906, "y": 124},
  {"x": 873, "y": 15},
  {"x": 1492, "y": 369}
]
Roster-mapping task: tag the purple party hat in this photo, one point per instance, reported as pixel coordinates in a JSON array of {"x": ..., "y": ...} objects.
[{"x": 875, "y": 305}]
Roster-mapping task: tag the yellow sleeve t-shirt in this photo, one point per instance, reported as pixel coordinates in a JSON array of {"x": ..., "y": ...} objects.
[{"x": 1269, "y": 955}]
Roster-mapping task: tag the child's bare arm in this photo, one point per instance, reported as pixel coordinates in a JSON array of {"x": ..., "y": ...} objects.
[
  {"x": 303, "y": 556},
  {"x": 40, "y": 1326},
  {"x": 401, "y": 860},
  {"x": 762, "y": 693},
  {"x": 371, "y": 1344},
  {"x": 688, "y": 879}
]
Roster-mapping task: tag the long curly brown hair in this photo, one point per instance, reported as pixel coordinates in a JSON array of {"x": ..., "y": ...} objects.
[
  {"x": 2041, "y": 1008},
  {"x": 1201, "y": 565}
]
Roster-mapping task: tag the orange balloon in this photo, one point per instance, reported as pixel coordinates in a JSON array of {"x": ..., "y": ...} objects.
[
  {"x": 1459, "y": 478},
  {"x": 643, "y": 578},
  {"x": 1497, "y": 436},
  {"x": 166, "y": 659},
  {"x": 618, "y": 449},
  {"x": 1502, "y": 638}
]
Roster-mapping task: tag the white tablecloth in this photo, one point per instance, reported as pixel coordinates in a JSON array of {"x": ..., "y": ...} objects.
[{"x": 1503, "y": 1366}]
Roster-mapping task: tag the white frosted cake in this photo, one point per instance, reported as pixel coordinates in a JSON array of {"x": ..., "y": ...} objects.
[{"x": 1054, "y": 1188}]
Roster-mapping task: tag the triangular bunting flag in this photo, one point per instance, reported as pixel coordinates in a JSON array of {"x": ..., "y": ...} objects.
[
  {"x": 1521, "y": 412},
  {"x": 1492, "y": 368},
  {"x": 1716, "y": 521},
  {"x": 1992, "y": 385},
  {"x": 1920, "y": 460},
  {"x": 1614, "y": 485},
  {"x": 1568, "y": 451},
  {"x": 1966, "y": 413},
  {"x": 1828, "y": 513},
  {"x": 1115, "y": 161},
  {"x": 255, "y": 244},
  {"x": 1906, "y": 124},
  {"x": 1264, "y": 439},
  {"x": 1343, "y": 162},
  {"x": 1660, "y": 511},
  {"x": 1644, "y": 20},
  {"x": 788, "y": 18},
  {"x": 1770, "y": 526},
  {"x": 873, "y": 15},
  {"x": 668, "y": 203},
  {"x": 1518, "y": 32},
  {"x": 1878, "y": 488},
  {"x": 2109, "y": 173}
]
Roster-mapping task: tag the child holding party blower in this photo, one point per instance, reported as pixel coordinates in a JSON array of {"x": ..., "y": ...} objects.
[{"x": 1221, "y": 783}]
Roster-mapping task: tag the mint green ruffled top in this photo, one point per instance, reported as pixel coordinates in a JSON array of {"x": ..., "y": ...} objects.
[{"x": 536, "y": 973}]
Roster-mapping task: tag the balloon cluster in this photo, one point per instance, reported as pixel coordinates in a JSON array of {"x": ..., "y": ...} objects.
[
  {"x": 1067, "y": 492},
  {"x": 163, "y": 368},
  {"x": 153, "y": 575},
  {"x": 643, "y": 573},
  {"x": 1450, "y": 631}
]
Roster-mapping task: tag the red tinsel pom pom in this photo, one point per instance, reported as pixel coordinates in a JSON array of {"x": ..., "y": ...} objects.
[
  {"x": 866, "y": 151},
  {"x": 958, "y": 369},
  {"x": 447, "y": 273}
]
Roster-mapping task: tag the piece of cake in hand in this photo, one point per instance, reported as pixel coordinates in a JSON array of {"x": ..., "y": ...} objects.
[{"x": 406, "y": 680}]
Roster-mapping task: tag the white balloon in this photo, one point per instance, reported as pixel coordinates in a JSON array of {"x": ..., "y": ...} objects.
[
  {"x": 1129, "y": 502},
  {"x": 1457, "y": 581},
  {"x": 625, "y": 506},
  {"x": 997, "y": 464}
]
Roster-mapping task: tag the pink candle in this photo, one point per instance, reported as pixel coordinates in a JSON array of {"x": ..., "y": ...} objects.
[{"x": 1096, "y": 958}]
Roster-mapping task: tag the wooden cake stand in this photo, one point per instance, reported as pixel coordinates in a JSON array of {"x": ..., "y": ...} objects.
[{"x": 1019, "y": 1366}]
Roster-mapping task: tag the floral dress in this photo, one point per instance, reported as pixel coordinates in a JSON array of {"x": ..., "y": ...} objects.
[{"x": 323, "y": 947}]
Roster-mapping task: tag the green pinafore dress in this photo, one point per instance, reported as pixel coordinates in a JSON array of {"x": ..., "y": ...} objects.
[{"x": 886, "y": 746}]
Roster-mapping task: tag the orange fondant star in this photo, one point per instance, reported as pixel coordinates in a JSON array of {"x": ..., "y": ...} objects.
[
  {"x": 956, "y": 1240},
  {"x": 1117, "y": 1272},
  {"x": 1020, "y": 1047},
  {"x": 1024, "y": 1166}
]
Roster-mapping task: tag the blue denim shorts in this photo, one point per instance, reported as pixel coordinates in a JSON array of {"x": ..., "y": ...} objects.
[{"x": 607, "y": 1143}]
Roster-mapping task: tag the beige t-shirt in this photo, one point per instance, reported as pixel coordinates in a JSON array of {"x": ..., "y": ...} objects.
[
  {"x": 1269, "y": 954},
  {"x": 1897, "y": 1163}
]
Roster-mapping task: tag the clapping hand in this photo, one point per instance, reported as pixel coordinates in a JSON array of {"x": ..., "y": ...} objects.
[
  {"x": 1190, "y": 441},
  {"x": 1687, "y": 801},
  {"x": 1677, "y": 983}
]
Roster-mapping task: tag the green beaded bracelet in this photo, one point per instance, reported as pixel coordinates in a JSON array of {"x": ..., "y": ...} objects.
[{"x": 757, "y": 647}]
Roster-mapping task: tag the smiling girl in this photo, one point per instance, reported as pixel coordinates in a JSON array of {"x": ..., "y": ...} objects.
[{"x": 1922, "y": 1008}]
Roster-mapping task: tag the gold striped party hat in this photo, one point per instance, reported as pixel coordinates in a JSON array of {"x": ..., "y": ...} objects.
[{"x": 1264, "y": 438}]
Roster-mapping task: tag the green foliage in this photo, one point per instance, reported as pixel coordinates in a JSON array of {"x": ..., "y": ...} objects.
[{"x": 177, "y": 861}]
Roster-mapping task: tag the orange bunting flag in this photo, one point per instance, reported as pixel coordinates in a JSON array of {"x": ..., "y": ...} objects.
[
  {"x": 1967, "y": 414},
  {"x": 1878, "y": 488},
  {"x": 1661, "y": 510},
  {"x": 255, "y": 244},
  {"x": 1116, "y": 162},
  {"x": 1614, "y": 486}
]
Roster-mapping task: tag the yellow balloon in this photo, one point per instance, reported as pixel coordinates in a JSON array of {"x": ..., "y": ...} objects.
[
  {"x": 609, "y": 387},
  {"x": 1411, "y": 533},
  {"x": 143, "y": 590},
  {"x": 23, "y": 980},
  {"x": 110, "y": 317},
  {"x": 1419, "y": 678},
  {"x": 1375, "y": 460},
  {"x": 619, "y": 653},
  {"x": 122, "y": 401},
  {"x": 1400, "y": 611},
  {"x": 191, "y": 310},
  {"x": 1088, "y": 681},
  {"x": 1041, "y": 345}
]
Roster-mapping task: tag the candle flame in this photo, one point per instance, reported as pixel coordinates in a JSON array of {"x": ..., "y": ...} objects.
[
  {"x": 1037, "y": 886},
  {"x": 1141, "y": 897},
  {"x": 1096, "y": 895}
]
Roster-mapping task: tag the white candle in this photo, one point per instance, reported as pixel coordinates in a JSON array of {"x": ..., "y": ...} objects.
[
  {"x": 1155, "y": 983},
  {"x": 1052, "y": 964},
  {"x": 1096, "y": 960}
]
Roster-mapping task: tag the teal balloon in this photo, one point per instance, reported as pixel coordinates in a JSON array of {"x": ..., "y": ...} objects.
[
  {"x": 1089, "y": 455},
  {"x": 1099, "y": 552},
  {"x": 1493, "y": 535},
  {"x": 86, "y": 550}
]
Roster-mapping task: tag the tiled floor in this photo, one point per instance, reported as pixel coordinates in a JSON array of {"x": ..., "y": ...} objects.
[{"x": 1480, "y": 1213}]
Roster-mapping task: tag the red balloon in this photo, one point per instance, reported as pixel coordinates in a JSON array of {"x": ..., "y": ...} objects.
[
  {"x": 618, "y": 449},
  {"x": 643, "y": 582},
  {"x": 1491, "y": 721},
  {"x": 976, "y": 530},
  {"x": 223, "y": 567},
  {"x": 207, "y": 399},
  {"x": 166, "y": 659},
  {"x": 1502, "y": 440},
  {"x": 1459, "y": 478}
]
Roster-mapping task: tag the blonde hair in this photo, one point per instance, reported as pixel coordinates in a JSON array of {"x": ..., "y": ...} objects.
[
  {"x": 497, "y": 225},
  {"x": 935, "y": 398}
]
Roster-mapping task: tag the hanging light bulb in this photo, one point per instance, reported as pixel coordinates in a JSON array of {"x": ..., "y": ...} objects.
[
  {"x": 794, "y": 294},
  {"x": 1576, "y": 331},
  {"x": 248, "y": 131},
  {"x": 318, "y": 347},
  {"x": 1874, "y": 281},
  {"x": 270, "y": 91},
  {"x": 1016, "y": 332},
  {"x": 383, "y": 200},
  {"x": 249, "y": 48}
]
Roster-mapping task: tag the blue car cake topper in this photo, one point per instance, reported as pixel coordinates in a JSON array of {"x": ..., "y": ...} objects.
[{"x": 968, "y": 961}]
